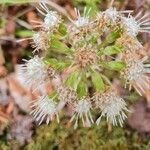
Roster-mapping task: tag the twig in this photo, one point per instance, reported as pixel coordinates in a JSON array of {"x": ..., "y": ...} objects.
[
  {"x": 111, "y": 3},
  {"x": 24, "y": 24},
  {"x": 7, "y": 38},
  {"x": 23, "y": 12}
]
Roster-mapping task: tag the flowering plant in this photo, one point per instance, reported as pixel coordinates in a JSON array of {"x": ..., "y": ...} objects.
[{"x": 78, "y": 54}]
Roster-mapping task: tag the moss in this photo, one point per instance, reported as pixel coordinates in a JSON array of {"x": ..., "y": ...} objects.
[{"x": 63, "y": 137}]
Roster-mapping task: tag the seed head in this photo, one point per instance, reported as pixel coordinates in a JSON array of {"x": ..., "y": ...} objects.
[{"x": 44, "y": 108}]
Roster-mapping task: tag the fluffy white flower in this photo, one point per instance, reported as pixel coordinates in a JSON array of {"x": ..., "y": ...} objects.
[
  {"x": 135, "y": 75},
  {"x": 51, "y": 20},
  {"x": 82, "y": 110},
  {"x": 113, "y": 14},
  {"x": 40, "y": 41},
  {"x": 34, "y": 72},
  {"x": 82, "y": 21},
  {"x": 112, "y": 107},
  {"x": 134, "y": 25},
  {"x": 36, "y": 38},
  {"x": 44, "y": 108}
]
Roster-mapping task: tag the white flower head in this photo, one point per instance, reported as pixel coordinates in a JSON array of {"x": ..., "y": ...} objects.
[
  {"x": 113, "y": 14},
  {"x": 112, "y": 107},
  {"x": 40, "y": 41},
  {"x": 34, "y": 72},
  {"x": 135, "y": 75},
  {"x": 134, "y": 25},
  {"x": 44, "y": 108},
  {"x": 51, "y": 20},
  {"x": 36, "y": 38},
  {"x": 82, "y": 110},
  {"x": 82, "y": 21}
]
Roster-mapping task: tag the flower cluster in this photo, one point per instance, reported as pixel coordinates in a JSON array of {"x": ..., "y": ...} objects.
[
  {"x": 34, "y": 71},
  {"x": 82, "y": 110},
  {"x": 112, "y": 106},
  {"x": 44, "y": 108},
  {"x": 50, "y": 24},
  {"x": 51, "y": 18},
  {"x": 135, "y": 75},
  {"x": 80, "y": 54},
  {"x": 133, "y": 25}
]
